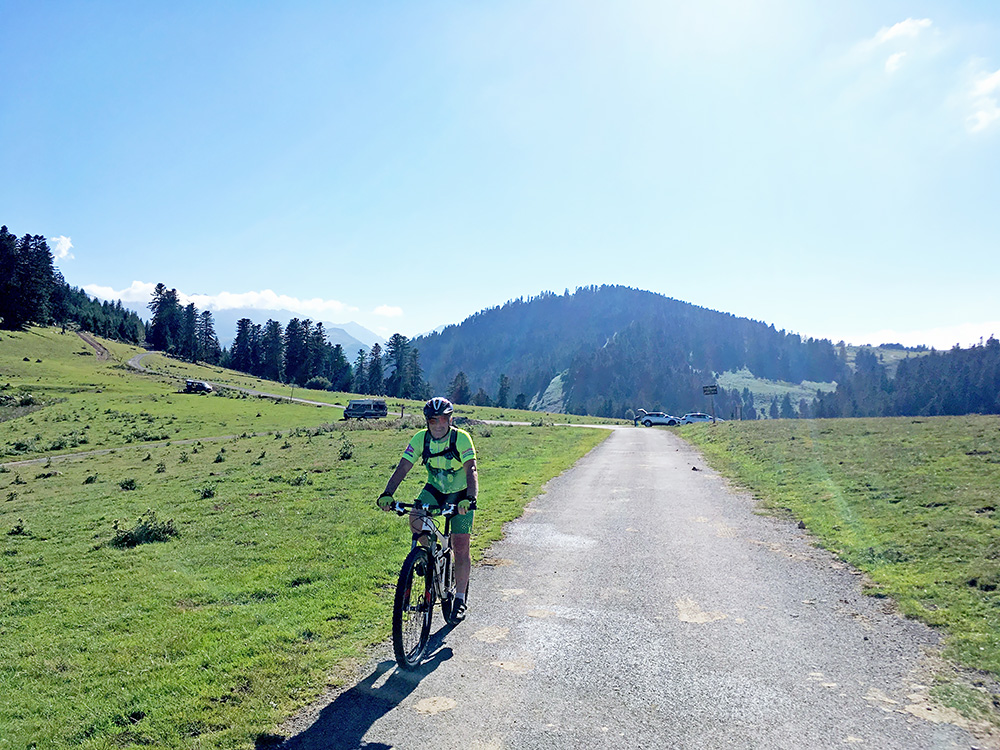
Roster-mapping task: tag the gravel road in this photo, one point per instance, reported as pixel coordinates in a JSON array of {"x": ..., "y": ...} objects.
[{"x": 640, "y": 603}]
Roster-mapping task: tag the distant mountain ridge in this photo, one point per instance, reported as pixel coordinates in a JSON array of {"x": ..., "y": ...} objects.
[{"x": 614, "y": 348}]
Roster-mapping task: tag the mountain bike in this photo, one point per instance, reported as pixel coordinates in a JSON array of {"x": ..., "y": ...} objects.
[{"x": 428, "y": 573}]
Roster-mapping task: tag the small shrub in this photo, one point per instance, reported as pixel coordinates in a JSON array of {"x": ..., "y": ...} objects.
[
  {"x": 149, "y": 457},
  {"x": 300, "y": 480},
  {"x": 11, "y": 497},
  {"x": 208, "y": 491},
  {"x": 346, "y": 448},
  {"x": 220, "y": 457},
  {"x": 184, "y": 458},
  {"x": 128, "y": 484},
  {"x": 147, "y": 529},
  {"x": 91, "y": 478},
  {"x": 18, "y": 480},
  {"x": 18, "y": 529},
  {"x": 161, "y": 467}
]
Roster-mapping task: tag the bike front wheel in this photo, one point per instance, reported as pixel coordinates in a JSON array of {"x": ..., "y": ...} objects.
[{"x": 413, "y": 608}]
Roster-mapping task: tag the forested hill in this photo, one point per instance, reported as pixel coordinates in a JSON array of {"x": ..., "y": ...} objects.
[{"x": 615, "y": 348}]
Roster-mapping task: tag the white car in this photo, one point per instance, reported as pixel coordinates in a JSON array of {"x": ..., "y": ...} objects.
[
  {"x": 697, "y": 416},
  {"x": 649, "y": 418}
]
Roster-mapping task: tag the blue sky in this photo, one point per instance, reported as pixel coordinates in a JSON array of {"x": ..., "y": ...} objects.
[{"x": 830, "y": 168}]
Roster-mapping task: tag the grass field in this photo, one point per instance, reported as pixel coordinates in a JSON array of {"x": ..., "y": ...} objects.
[
  {"x": 912, "y": 502},
  {"x": 275, "y": 572}
]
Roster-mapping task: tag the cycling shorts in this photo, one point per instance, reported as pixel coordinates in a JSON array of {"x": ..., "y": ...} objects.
[{"x": 435, "y": 501}]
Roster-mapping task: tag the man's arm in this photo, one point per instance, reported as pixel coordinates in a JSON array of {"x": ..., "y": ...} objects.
[
  {"x": 471, "y": 479},
  {"x": 402, "y": 469}
]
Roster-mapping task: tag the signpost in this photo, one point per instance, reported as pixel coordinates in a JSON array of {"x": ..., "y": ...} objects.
[{"x": 711, "y": 390}]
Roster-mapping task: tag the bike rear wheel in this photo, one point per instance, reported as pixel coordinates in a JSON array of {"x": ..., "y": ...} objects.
[{"x": 413, "y": 608}]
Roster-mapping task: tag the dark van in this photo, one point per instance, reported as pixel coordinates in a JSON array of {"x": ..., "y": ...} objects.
[{"x": 366, "y": 408}]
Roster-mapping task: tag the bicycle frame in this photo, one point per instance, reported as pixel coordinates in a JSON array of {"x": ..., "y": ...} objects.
[{"x": 439, "y": 544}]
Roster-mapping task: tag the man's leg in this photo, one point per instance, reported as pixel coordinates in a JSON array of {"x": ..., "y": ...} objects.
[{"x": 463, "y": 562}]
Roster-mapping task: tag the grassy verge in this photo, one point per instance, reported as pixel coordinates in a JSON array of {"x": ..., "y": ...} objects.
[
  {"x": 275, "y": 569},
  {"x": 912, "y": 502}
]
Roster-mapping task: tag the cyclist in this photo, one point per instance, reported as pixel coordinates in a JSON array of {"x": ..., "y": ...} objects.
[{"x": 452, "y": 477}]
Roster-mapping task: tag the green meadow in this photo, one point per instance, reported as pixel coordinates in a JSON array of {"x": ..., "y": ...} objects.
[
  {"x": 912, "y": 502},
  {"x": 186, "y": 571}
]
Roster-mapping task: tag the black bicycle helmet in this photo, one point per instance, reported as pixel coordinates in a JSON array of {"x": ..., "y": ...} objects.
[{"x": 437, "y": 407}]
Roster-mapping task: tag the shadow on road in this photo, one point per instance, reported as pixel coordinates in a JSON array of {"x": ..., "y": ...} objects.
[{"x": 344, "y": 723}]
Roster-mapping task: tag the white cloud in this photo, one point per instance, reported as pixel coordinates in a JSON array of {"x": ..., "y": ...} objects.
[
  {"x": 269, "y": 300},
  {"x": 910, "y": 28},
  {"x": 894, "y": 61},
  {"x": 388, "y": 311},
  {"x": 63, "y": 245},
  {"x": 983, "y": 100},
  {"x": 141, "y": 291}
]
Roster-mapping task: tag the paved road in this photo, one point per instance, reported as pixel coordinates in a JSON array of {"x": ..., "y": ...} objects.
[{"x": 641, "y": 604}]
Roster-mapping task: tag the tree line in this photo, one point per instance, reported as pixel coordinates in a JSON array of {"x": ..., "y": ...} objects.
[
  {"x": 33, "y": 291},
  {"x": 959, "y": 381},
  {"x": 298, "y": 353}
]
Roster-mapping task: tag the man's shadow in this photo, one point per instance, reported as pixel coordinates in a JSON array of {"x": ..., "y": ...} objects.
[{"x": 344, "y": 723}]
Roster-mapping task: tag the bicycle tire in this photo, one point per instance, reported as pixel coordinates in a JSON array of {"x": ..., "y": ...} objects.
[{"x": 413, "y": 608}]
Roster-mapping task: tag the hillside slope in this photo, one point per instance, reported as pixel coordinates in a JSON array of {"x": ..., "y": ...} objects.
[{"x": 617, "y": 348}]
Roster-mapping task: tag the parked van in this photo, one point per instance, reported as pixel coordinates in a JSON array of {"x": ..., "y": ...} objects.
[
  {"x": 366, "y": 408},
  {"x": 197, "y": 386}
]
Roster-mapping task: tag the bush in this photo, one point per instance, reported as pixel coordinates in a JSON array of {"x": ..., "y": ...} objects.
[
  {"x": 346, "y": 447},
  {"x": 318, "y": 384},
  {"x": 147, "y": 529},
  {"x": 128, "y": 484}
]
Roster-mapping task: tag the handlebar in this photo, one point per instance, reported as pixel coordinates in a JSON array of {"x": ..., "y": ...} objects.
[{"x": 451, "y": 509}]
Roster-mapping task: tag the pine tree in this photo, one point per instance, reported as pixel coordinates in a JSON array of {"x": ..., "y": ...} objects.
[
  {"x": 415, "y": 387},
  {"x": 340, "y": 370},
  {"x": 376, "y": 383},
  {"x": 359, "y": 383},
  {"x": 208, "y": 342},
  {"x": 9, "y": 296},
  {"x": 459, "y": 392},
  {"x": 272, "y": 351},
  {"x": 296, "y": 351},
  {"x": 503, "y": 391},
  {"x": 187, "y": 342},
  {"x": 787, "y": 410},
  {"x": 397, "y": 357},
  {"x": 241, "y": 356},
  {"x": 164, "y": 328}
]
